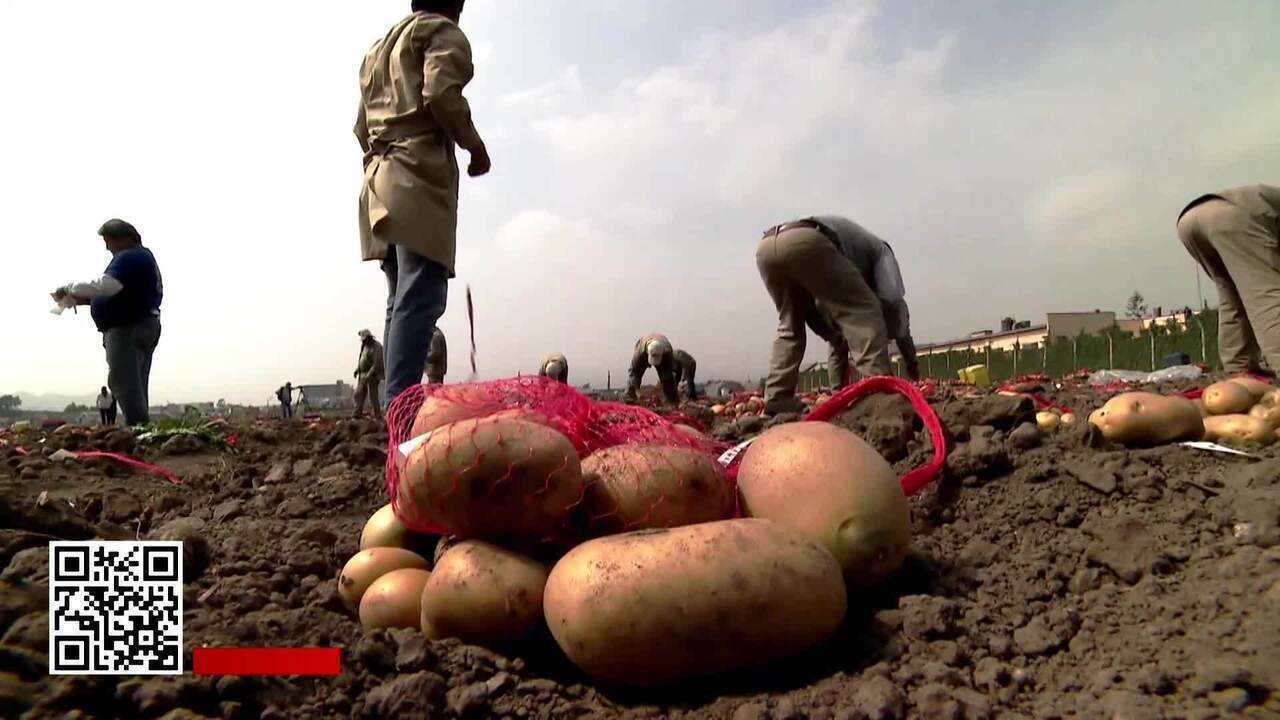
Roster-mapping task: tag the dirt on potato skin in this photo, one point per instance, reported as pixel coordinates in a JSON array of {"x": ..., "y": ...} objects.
[{"x": 1050, "y": 577}]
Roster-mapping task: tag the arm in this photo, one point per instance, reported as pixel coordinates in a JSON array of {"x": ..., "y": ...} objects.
[
  {"x": 446, "y": 69},
  {"x": 888, "y": 278},
  {"x": 85, "y": 292}
]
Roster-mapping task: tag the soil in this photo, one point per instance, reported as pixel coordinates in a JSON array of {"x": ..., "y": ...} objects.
[{"x": 1051, "y": 576}]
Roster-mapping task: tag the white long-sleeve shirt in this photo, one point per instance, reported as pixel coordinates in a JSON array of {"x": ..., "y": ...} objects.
[{"x": 104, "y": 287}]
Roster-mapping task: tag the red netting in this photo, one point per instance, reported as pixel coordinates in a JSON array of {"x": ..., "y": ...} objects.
[{"x": 479, "y": 477}]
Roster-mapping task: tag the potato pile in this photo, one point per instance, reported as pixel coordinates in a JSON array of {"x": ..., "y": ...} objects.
[
  {"x": 1238, "y": 411},
  {"x": 735, "y": 408},
  {"x": 667, "y": 585}
]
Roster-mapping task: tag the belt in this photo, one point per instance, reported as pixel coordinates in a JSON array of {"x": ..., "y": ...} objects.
[{"x": 798, "y": 224}]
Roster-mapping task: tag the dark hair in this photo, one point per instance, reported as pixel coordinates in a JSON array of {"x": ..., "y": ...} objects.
[
  {"x": 119, "y": 229},
  {"x": 442, "y": 7}
]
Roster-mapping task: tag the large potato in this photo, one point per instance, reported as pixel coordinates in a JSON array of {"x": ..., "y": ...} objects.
[
  {"x": 1269, "y": 414},
  {"x": 637, "y": 487},
  {"x": 1228, "y": 398},
  {"x": 1142, "y": 418},
  {"x": 461, "y": 402},
  {"x": 658, "y": 606},
  {"x": 394, "y": 600},
  {"x": 499, "y": 480},
  {"x": 1239, "y": 429},
  {"x": 829, "y": 484},
  {"x": 368, "y": 565},
  {"x": 483, "y": 595}
]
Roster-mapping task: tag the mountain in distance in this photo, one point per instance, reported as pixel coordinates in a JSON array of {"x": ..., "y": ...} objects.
[{"x": 52, "y": 403}]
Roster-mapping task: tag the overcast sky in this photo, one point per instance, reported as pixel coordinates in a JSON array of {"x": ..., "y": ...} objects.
[{"x": 1020, "y": 157}]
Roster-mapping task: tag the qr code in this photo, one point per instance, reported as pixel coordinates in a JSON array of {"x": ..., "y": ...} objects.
[{"x": 115, "y": 608}]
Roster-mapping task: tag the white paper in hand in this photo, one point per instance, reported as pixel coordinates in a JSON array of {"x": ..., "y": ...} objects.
[{"x": 60, "y": 305}]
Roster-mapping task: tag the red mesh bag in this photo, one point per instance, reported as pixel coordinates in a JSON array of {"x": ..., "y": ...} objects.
[{"x": 477, "y": 476}]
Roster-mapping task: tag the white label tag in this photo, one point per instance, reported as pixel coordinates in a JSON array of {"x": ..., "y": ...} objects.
[
  {"x": 406, "y": 448},
  {"x": 732, "y": 453},
  {"x": 1215, "y": 447}
]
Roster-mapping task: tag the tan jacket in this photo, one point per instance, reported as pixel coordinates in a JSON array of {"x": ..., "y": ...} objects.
[
  {"x": 412, "y": 113},
  {"x": 371, "y": 360},
  {"x": 1260, "y": 201}
]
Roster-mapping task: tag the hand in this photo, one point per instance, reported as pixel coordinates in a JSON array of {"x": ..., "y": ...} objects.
[
  {"x": 60, "y": 293},
  {"x": 480, "y": 163}
]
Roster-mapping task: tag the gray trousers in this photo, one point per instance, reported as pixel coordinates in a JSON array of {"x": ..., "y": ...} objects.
[
  {"x": 1241, "y": 255},
  {"x": 129, "y": 352}
]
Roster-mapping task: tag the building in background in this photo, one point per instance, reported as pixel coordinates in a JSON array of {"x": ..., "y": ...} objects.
[{"x": 318, "y": 398}]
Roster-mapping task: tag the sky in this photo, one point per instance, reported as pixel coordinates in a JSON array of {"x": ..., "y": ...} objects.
[{"x": 1021, "y": 158}]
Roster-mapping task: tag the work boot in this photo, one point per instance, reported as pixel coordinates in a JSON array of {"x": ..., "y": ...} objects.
[{"x": 784, "y": 405}]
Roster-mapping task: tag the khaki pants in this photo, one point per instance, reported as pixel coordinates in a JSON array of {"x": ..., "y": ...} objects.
[
  {"x": 802, "y": 267},
  {"x": 1242, "y": 256},
  {"x": 367, "y": 390}
]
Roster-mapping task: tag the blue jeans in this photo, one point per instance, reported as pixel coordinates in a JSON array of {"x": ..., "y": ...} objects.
[
  {"x": 129, "y": 352},
  {"x": 417, "y": 290}
]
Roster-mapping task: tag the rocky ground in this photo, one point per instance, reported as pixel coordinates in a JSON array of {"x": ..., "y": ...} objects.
[{"x": 1052, "y": 576}]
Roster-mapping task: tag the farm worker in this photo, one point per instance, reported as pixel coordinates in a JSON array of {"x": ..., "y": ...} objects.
[
  {"x": 654, "y": 351},
  {"x": 285, "y": 395},
  {"x": 1234, "y": 234},
  {"x": 106, "y": 407},
  {"x": 686, "y": 368},
  {"x": 897, "y": 320},
  {"x": 125, "y": 306},
  {"x": 412, "y": 116},
  {"x": 369, "y": 373},
  {"x": 853, "y": 274},
  {"x": 437, "y": 358},
  {"x": 556, "y": 367}
]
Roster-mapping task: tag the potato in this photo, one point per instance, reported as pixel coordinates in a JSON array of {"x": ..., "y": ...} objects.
[
  {"x": 1270, "y": 398},
  {"x": 718, "y": 409},
  {"x": 691, "y": 431},
  {"x": 384, "y": 529},
  {"x": 367, "y": 566},
  {"x": 658, "y": 606},
  {"x": 1142, "y": 418},
  {"x": 1269, "y": 414},
  {"x": 483, "y": 595},
  {"x": 394, "y": 600},
  {"x": 462, "y": 403},
  {"x": 1067, "y": 419},
  {"x": 1199, "y": 403},
  {"x": 502, "y": 480},
  {"x": 1047, "y": 421},
  {"x": 1238, "y": 429},
  {"x": 636, "y": 487},
  {"x": 1255, "y": 386},
  {"x": 827, "y": 483},
  {"x": 1228, "y": 398}
]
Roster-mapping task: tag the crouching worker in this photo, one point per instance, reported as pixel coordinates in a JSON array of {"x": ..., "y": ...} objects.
[
  {"x": 826, "y": 265},
  {"x": 556, "y": 367},
  {"x": 653, "y": 351},
  {"x": 686, "y": 369}
]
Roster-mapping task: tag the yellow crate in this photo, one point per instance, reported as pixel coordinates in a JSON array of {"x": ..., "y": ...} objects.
[{"x": 976, "y": 374}]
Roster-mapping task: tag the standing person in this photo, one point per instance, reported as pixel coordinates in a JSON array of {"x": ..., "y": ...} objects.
[
  {"x": 437, "y": 358},
  {"x": 853, "y": 274},
  {"x": 412, "y": 116},
  {"x": 686, "y": 368},
  {"x": 556, "y": 367},
  {"x": 1234, "y": 235},
  {"x": 125, "y": 306},
  {"x": 285, "y": 396},
  {"x": 654, "y": 351},
  {"x": 369, "y": 373},
  {"x": 105, "y": 405}
]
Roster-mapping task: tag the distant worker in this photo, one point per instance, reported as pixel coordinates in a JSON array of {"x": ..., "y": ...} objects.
[
  {"x": 556, "y": 367},
  {"x": 833, "y": 262},
  {"x": 897, "y": 320},
  {"x": 106, "y": 407},
  {"x": 285, "y": 396},
  {"x": 369, "y": 374},
  {"x": 125, "y": 306},
  {"x": 686, "y": 368},
  {"x": 1233, "y": 234},
  {"x": 437, "y": 359},
  {"x": 653, "y": 351},
  {"x": 412, "y": 116}
]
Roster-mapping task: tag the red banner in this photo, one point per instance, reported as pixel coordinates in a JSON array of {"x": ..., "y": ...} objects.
[{"x": 265, "y": 661}]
